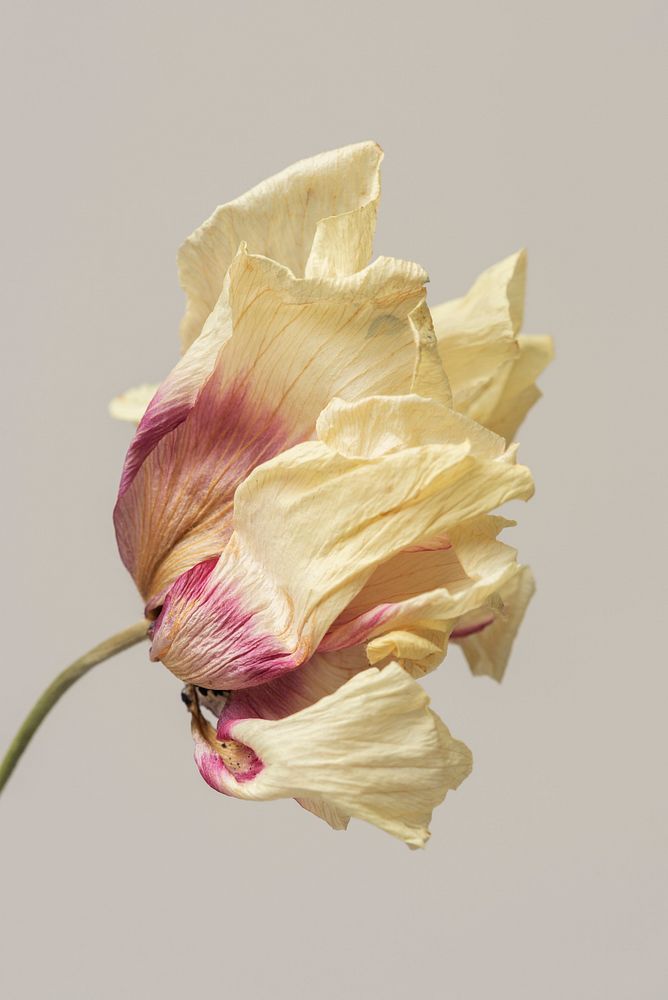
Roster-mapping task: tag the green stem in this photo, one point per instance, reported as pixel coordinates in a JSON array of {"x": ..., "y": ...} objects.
[{"x": 57, "y": 688}]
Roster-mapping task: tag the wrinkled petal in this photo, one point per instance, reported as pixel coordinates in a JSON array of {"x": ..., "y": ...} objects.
[
  {"x": 324, "y": 810},
  {"x": 410, "y": 604},
  {"x": 311, "y": 526},
  {"x": 373, "y": 750},
  {"x": 519, "y": 392},
  {"x": 178, "y": 393},
  {"x": 131, "y": 405},
  {"x": 285, "y": 346},
  {"x": 317, "y": 218},
  {"x": 291, "y": 692},
  {"x": 487, "y": 634},
  {"x": 429, "y": 376},
  {"x": 477, "y": 334}
]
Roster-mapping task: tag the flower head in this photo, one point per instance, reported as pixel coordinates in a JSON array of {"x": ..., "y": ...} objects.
[{"x": 306, "y": 507}]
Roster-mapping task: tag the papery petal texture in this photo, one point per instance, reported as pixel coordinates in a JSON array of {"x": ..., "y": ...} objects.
[
  {"x": 477, "y": 333},
  {"x": 317, "y": 218},
  {"x": 518, "y": 391},
  {"x": 486, "y": 635},
  {"x": 289, "y": 345},
  {"x": 373, "y": 749},
  {"x": 307, "y": 506},
  {"x": 490, "y": 366},
  {"x": 268, "y": 602}
]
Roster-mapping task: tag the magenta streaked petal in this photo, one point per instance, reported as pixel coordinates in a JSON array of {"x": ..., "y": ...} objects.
[
  {"x": 286, "y": 346},
  {"x": 208, "y": 633},
  {"x": 277, "y": 699},
  {"x": 358, "y": 630},
  {"x": 222, "y": 764},
  {"x": 371, "y": 749},
  {"x": 321, "y": 675},
  {"x": 173, "y": 400},
  {"x": 177, "y": 507},
  {"x": 394, "y": 590}
]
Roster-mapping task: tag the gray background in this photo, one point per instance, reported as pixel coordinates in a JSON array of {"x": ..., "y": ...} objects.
[{"x": 504, "y": 124}]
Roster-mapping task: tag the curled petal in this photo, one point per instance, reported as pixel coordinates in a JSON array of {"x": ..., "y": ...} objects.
[
  {"x": 418, "y": 649},
  {"x": 410, "y": 604},
  {"x": 317, "y": 218},
  {"x": 249, "y": 388},
  {"x": 486, "y": 635},
  {"x": 289, "y": 693},
  {"x": 380, "y": 425},
  {"x": 477, "y": 334},
  {"x": 429, "y": 377},
  {"x": 373, "y": 750},
  {"x": 273, "y": 594},
  {"x": 519, "y": 391},
  {"x": 334, "y": 817}
]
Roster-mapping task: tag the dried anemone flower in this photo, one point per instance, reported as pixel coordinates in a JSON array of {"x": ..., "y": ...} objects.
[{"x": 306, "y": 505}]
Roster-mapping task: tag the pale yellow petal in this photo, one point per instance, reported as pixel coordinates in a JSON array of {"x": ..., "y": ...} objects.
[
  {"x": 380, "y": 425},
  {"x": 325, "y": 810},
  {"x": 346, "y": 516},
  {"x": 418, "y": 650},
  {"x": 272, "y": 354},
  {"x": 372, "y": 750},
  {"x": 131, "y": 404},
  {"x": 429, "y": 377},
  {"x": 519, "y": 393},
  {"x": 487, "y": 650},
  {"x": 267, "y": 603},
  {"x": 410, "y": 604},
  {"x": 317, "y": 218},
  {"x": 322, "y": 675},
  {"x": 477, "y": 333}
]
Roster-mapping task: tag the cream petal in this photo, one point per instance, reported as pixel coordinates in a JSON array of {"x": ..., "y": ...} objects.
[
  {"x": 321, "y": 675},
  {"x": 325, "y": 810},
  {"x": 486, "y": 635},
  {"x": 269, "y": 600},
  {"x": 131, "y": 405},
  {"x": 409, "y": 605},
  {"x": 373, "y": 749},
  {"x": 519, "y": 393},
  {"x": 317, "y": 218},
  {"x": 273, "y": 353},
  {"x": 477, "y": 333},
  {"x": 418, "y": 650},
  {"x": 380, "y": 425},
  {"x": 429, "y": 377},
  {"x": 178, "y": 393}
]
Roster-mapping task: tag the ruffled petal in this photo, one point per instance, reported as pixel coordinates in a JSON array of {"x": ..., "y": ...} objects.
[
  {"x": 131, "y": 405},
  {"x": 486, "y": 635},
  {"x": 410, "y": 604},
  {"x": 429, "y": 377},
  {"x": 373, "y": 750},
  {"x": 326, "y": 811},
  {"x": 317, "y": 218},
  {"x": 323, "y": 674},
  {"x": 519, "y": 391},
  {"x": 477, "y": 334},
  {"x": 271, "y": 597},
  {"x": 273, "y": 353}
]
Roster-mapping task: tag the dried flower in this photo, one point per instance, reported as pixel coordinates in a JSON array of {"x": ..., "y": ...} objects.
[{"x": 306, "y": 504}]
